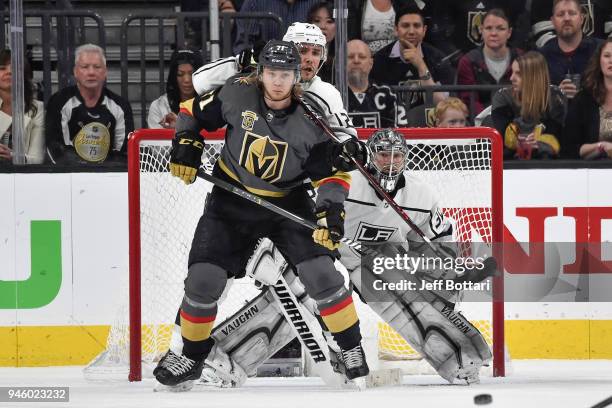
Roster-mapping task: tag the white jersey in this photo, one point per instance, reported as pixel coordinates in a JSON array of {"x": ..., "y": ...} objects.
[
  {"x": 325, "y": 95},
  {"x": 371, "y": 219},
  {"x": 213, "y": 75}
]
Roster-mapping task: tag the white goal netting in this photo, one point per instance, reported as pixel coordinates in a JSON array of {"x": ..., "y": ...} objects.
[{"x": 458, "y": 165}]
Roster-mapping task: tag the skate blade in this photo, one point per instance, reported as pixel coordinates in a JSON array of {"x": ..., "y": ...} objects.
[
  {"x": 357, "y": 384},
  {"x": 383, "y": 378},
  {"x": 207, "y": 383},
  {"x": 182, "y": 387}
]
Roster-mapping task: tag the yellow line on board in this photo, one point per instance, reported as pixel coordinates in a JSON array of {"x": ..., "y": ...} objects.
[{"x": 36, "y": 346}]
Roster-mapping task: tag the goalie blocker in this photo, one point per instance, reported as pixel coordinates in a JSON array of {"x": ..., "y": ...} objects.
[{"x": 428, "y": 322}]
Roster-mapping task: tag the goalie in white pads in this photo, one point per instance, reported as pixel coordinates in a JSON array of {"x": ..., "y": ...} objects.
[{"x": 425, "y": 319}]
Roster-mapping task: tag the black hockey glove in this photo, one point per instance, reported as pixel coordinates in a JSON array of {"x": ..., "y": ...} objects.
[
  {"x": 343, "y": 154},
  {"x": 331, "y": 220},
  {"x": 186, "y": 155},
  {"x": 247, "y": 59}
]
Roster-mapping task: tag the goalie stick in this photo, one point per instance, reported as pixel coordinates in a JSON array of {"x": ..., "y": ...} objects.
[{"x": 315, "y": 345}]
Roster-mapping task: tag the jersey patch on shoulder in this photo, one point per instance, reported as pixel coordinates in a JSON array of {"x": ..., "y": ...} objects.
[{"x": 248, "y": 119}]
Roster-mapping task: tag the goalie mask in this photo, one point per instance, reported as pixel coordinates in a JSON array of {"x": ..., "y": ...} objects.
[
  {"x": 306, "y": 33},
  {"x": 388, "y": 150},
  {"x": 280, "y": 55}
]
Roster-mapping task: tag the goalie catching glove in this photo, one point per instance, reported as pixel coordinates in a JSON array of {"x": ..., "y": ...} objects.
[
  {"x": 186, "y": 155},
  {"x": 344, "y": 153},
  {"x": 332, "y": 221}
]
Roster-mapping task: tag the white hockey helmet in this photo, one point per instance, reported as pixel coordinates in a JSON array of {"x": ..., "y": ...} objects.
[
  {"x": 306, "y": 33},
  {"x": 388, "y": 151}
]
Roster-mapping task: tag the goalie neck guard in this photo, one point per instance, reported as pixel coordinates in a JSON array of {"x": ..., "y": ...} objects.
[{"x": 388, "y": 150}]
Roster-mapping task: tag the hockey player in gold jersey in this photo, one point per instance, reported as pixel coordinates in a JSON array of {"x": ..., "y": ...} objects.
[{"x": 270, "y": 149}]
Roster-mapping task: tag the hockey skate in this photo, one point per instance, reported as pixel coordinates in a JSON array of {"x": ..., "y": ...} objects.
[
  {"x": 169, "y": 358},
  {"x": 355, "y": 362},
  {"x": 178, "y": 369}
]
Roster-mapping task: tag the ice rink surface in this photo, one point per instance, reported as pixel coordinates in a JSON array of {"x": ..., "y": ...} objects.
[{"x": 542, "y": 383}]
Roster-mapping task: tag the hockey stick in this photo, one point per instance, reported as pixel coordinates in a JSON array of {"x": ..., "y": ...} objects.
[
  {"x": 316, "y": 118},
  {"x": 605, "y": 403},
  {"x": 356, "y": 245}
]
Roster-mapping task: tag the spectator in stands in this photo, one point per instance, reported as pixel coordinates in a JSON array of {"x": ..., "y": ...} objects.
[
  {"x": 193, "y": 26},
  {"x": 251, "y": 30},
  {"x": 179, "y": 88},
  {"x": 458, "y": 24},
  {"x": 87, "y": 122},
  {"x": 489, "y": 64},
  {"x": 321, "y": 15},
  {"x": 567, "y": 55},
  {"x": 597, "y": 19},
  {"x": 451, "y": 112},
  {"x": 33, "y": 119},
  {"x": 372, "y": 22},
  {"x": 529, "y": 108},
  {"x": 369, "y": 105},
  {"x": 410, "y": 61},
  {"x": 588, "y": 131}
]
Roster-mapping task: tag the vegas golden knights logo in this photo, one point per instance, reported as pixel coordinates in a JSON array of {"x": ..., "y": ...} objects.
[
  {"x": 474, "y": 24},
  {"x": 263, "y": 157},
  {"x": 248, "y": 120}
]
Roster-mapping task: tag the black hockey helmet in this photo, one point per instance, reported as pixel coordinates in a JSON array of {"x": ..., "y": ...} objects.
[{"x": 280, "y": 54}]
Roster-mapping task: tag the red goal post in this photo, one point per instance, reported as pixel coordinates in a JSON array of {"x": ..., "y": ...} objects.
[{"x": 478, "y": 149}]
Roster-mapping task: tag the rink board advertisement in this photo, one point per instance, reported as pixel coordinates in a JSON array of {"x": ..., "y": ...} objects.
[{"x": 64, "y": 252}]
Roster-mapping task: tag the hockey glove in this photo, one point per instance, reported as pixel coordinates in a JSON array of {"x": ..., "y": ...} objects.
[
  {"x": 343, "y": 154},
  {"x": 331, "y": 220},
  {"x": 247, "y": 59},
  {"x": 186, "y": 155}
]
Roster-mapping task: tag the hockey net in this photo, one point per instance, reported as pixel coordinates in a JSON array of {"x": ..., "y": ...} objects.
[{"x": 463, "y": 166}]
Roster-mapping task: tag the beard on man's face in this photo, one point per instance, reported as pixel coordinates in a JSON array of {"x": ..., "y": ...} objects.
[{"x": 357, "y": 78}]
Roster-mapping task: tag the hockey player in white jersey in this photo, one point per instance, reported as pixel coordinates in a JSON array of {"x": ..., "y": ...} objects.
[
  {"x": 455, "y": 354},
  {"x": 311, "y": 43}
]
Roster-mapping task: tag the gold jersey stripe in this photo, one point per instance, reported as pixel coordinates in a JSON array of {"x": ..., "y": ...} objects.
[
  {"x": 344, "y": 176},
  {"x": 187, "y": 106},
  {"x": 195, "y": 331},
  {"x": 342, "y": 319}
]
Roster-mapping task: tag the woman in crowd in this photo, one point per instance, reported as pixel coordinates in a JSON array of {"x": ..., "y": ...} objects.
[
  {"x": 33, "y": 119},
  {"x": 588, "y": 131},
  {"x": 321, "y": 15},
  {"x": 531, "y": 113},
  {"x": 489, "y": 64},
  {"x": 372, "y": 22},
  {"x": 179, "y": 88},
  {"x": 451, "y": 112}
]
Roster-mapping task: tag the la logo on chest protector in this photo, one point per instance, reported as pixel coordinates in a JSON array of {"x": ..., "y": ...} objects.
[
  {"x": 373, "y": 233},
  {"x": 263, "y": 157}
]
